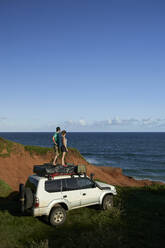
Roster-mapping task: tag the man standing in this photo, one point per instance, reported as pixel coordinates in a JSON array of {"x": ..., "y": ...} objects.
[{"x": 56, "y": 140}]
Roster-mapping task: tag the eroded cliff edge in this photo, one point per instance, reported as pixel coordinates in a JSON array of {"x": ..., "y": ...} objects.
[{"x": 17, "y": 161}]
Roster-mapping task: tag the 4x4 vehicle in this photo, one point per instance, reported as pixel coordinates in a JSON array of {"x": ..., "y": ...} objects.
[{"x": 53, "y": 196}]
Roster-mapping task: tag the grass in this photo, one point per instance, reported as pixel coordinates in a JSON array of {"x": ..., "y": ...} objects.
[
  {"x": 37, "y": 150},
  {"x": 6, "y": 147},
  {"x": 44, "y": 150},
  {"x": 4, "y": 189},
  {"x": 138, "y": 220}
]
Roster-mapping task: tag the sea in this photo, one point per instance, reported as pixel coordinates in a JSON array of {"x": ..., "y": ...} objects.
[{"x": 140, "y": 155}]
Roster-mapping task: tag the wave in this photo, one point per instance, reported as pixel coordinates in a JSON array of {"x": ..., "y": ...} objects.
[
  {"x": 92, "y": 161},
  {"x": 157, "y": 179}
]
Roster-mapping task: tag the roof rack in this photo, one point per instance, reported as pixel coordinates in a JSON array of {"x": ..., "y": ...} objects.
[
  {"x": 52, "y": 176},
  {"x": 49, "y": 170}
]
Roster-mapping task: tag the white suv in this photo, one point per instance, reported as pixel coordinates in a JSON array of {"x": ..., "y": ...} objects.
[{"x": 52, "y": 197}]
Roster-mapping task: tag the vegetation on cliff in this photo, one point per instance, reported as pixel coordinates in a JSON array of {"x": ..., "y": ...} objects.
[
  {"x": 37, "y": 150},
  {"x": 6, "y": 147},
  {"x": 44, "y": 150}
]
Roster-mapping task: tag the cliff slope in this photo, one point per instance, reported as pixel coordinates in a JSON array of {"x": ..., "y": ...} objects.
[{"x": 17, "y": 161}]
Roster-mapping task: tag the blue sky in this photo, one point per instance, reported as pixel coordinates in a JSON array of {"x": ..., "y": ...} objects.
[{"x": 91, "y": 65}]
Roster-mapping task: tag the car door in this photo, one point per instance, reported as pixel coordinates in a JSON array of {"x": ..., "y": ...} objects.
[
  {"x": 90, "y": 193},
  {"x": 71, "y": 192}
]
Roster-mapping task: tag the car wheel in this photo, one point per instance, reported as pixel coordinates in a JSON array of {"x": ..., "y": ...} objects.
[
  {"x": 57, "y": 216},
  {"x": 107, "y": 202}
]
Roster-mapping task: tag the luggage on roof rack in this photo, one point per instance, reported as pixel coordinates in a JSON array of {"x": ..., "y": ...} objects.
[
  {"x": 81, "y": 169},
  {"x": 49, "y": 169}
]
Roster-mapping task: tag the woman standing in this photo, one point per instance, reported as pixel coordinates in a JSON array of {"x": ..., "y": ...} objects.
[{"x": 64, "y": 148}]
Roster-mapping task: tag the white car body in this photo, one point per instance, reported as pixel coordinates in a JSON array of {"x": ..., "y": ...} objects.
[{"x": 68, "y": 199}]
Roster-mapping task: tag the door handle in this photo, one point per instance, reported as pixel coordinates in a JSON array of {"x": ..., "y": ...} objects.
[
  {"x": 84, "y": 193},
  {"x": 65, "y": 196}
]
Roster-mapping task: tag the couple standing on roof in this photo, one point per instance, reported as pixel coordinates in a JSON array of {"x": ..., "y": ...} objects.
[{"x": 56, "y": 140}]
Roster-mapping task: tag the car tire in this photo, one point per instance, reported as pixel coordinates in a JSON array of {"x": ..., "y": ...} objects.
[
  {"x": 107, "y": 202},
  {"x": 57, "y": 216},
  {"x": 28, "y": 203}
]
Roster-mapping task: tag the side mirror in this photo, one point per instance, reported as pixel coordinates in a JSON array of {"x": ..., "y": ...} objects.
[{"x": 91, "y": 176}]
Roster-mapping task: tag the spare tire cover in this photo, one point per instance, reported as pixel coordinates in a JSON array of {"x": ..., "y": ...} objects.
[
  {"x": 22, "y": 197},
  {"x": 21, "y": 190},
  {"x": 28, "y": 198}
]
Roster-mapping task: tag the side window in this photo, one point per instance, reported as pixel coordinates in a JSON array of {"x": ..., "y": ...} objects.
[
  {"x": 64, "y": 188},
  {"x": 53, "y": 186},
  {"x": 71, "y": 184},
  {"x": 85, "y": 183}
]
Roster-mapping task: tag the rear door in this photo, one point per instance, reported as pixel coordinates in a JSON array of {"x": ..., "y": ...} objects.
[
  {"x": 71, "y": 192},
  {"x": 32, "y": 183}
]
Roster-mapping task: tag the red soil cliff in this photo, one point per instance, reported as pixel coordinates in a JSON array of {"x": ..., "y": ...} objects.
[{"x": 17, "y": 165}]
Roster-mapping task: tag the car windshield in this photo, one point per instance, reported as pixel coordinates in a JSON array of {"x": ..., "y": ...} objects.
[{"x": 84, "y": 183}]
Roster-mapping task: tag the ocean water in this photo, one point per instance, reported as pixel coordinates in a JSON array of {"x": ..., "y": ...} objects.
[{"x": 140, "y": 155}]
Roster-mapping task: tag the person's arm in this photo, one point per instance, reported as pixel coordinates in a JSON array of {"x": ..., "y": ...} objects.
[{"x": 54, "y": 140}]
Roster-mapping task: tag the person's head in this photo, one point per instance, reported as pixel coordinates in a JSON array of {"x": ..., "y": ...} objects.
[
  {"x": 58, "y": 129},
  {"x": 63, "y": 133}
]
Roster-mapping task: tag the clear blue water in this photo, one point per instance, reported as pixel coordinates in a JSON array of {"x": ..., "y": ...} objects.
[{"x": 140, "y": 155}]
